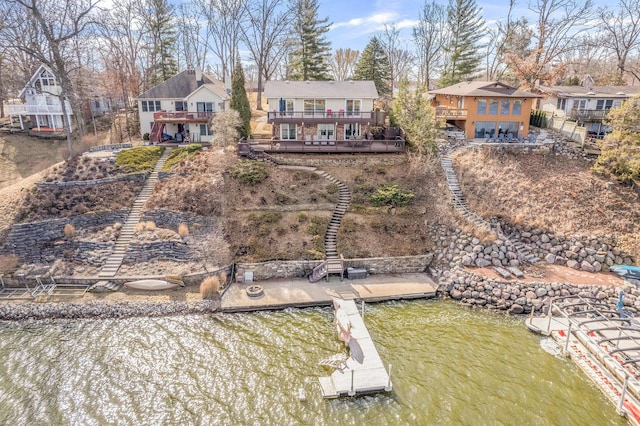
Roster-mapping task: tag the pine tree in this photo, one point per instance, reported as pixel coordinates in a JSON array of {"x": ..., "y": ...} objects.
[
  {"x": 466, "y": 28},
  {"x": 163, "y": 37},
  {"x": 411, "y": 111},
  {"x": 309, "y": 59},
  {"x": 240, "y": 101},
  {"x": 374, "y": 65}
]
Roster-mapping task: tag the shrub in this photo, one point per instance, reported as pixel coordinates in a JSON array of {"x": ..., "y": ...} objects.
[
  {"x": 139, "y": 227},
  {"x": 183, "y": 230},
  {"x": 282, "y": 198},
  {"x": 150, "y": 226},
  {"x": 140, "y": 159},
  {"x": 179, "y": 154},
  {"x": 145, "y": 137},
  {"x": 210, "y": 287},
  {"x": 9, "y": 264},
  {"x": 333, "y": 188},
  {"x": 265, "y": 218},
  {"x": 302, "y": 217},
  {"x": 390, "y": 195},
  {"x": 249, "y": 172},
  {"x": 117, "y": 226},
  {"x": 222, "y": 277},
  {"x": 69, "y": 230}
]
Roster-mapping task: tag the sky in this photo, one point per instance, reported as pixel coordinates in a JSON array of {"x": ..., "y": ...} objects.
[{"x": 356, "y": 21}]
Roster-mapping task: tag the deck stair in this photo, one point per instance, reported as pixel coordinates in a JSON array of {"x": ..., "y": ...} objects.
[
  {"x": 460, "y": 204},
  {"x": 155, "y": 136},
  {"x": 113, "y": 262}
]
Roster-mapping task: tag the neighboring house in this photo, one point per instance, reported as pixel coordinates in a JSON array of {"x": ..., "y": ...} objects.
[
  {"x": 321, "y": 110},
  {"x": 484, "y": 109},
  {"x": 182, "y": 105},
  {"x": 41, "y": 102},
  {"x": 587, "y": 105}
]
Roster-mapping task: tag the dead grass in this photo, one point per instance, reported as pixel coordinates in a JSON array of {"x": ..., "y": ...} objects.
[
  {"x": 183, "y": 230},
  {"x": 549, "y": 192},
  {"x": 8, "y": 264},
  {"x": 69, "y": 230},
  {"x": 210, "y": 287}
]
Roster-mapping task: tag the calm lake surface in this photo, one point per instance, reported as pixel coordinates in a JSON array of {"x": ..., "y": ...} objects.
[{"x": 451, "y": 366}]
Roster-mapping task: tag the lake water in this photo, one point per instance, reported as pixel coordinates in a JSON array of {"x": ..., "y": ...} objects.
[{"x": 451, "y": 366}]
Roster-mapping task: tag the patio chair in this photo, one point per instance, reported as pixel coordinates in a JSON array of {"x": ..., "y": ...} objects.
[
  {"x": 520, "y": 138},
  {"x": 487, "y": 137},
  {"x": 329, "y": 113},
  {"x": 501, "y": 138},
  {"x": 532, "y": 138}
]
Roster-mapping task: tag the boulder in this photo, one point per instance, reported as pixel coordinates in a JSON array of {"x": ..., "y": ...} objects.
[
  {"x": 550, "y": 258},
  {"x": 541, "y": 292},
  {"x": 516, "y": 309},
  {"x": 573, "y": 264},
  {"x": 482, "y": 263},
  {"x": 586, "y": 266},
  {"x": 455, "y": 294}
]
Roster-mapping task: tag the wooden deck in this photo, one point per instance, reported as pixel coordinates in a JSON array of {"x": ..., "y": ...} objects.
[
  {"x": 363, "y": 372},
  {"x": 326, "y": 146}
]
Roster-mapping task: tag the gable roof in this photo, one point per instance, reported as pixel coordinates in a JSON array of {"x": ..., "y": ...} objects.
[
  {"x": 621, "y": 92},
  {"x": 182, "y": 85},
  {"x": 32, "y": 81},
  {"x": 484, "y": 89},
  {"x": 324, "y": 89}
]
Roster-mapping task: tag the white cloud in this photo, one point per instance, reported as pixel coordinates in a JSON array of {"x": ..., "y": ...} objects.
[{"x": 375, "y": 19}]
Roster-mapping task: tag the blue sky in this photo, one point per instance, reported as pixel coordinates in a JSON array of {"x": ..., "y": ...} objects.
[{"x": 356, "y": 21}]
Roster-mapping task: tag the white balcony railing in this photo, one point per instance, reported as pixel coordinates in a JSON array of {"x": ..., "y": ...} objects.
[{"x": 25, "y": 109}]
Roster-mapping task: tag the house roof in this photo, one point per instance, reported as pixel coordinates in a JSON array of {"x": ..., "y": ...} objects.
[
  {"x": 622, "y": 92},
  {"x": 33, "y": 79},
  {"x": 324, "y": 89},
  {"x": 182, "y": 85},
  {"x": 484, "y": 89}
]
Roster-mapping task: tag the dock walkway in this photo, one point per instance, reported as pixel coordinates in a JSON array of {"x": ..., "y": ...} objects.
[{"x": 363, "y": 372}]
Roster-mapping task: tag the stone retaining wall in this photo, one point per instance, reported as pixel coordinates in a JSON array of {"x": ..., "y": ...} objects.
[
  {"x": 522, "y": 148},
  {"x": 148, "y": 251},
  {"x": 110, "y": 147},
  {"x": 134, "y": 177},
  {"x": 302, "y": 268},
  {"x": 519, "y": 297},
  {"x": 171, "y": 219},
  {"x": 35, "y": 241}
]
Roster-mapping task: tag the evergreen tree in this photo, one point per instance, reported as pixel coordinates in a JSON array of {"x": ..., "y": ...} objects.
[
  {"x": 240, "y": 101},
  {"x": 310, "y": 57},
  {"x": 374, "y": 65},
  {"x": 163, "y": 39},
  {"x": 411, "y": 111},
  {"x": 466, "y": 28}
]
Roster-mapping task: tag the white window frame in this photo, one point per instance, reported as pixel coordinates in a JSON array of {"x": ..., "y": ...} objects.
[
  {"x": 355, "y": 109},
  {"x": 326, "y": 131},
  {"x": 286, "y": 135}
]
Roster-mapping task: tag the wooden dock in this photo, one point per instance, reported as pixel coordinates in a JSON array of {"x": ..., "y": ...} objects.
[{"x": 363, "y": 371}]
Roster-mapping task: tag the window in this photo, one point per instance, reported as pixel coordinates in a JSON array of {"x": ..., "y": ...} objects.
[
  {"x": 493, "y": 107},
  {"x": 580, "y": 104},
  {"x": 605, "y": 104},
  {"x": 289, "y": 106},
  {"x": 181, "y": 106},
  {"x": 352, "y": 131},
  {"x": 326, "y": 131},
  {"x": 313, "y": 106},
  {"x": 353, "y": 107},
  {"x": 288, "y": 131},
  {"x": 151, "y": 106},
  {"x": 504, "y": 107},
  {"x": 561, "y": 104},
  {"x": 517, "y": 107},
  {"x": 204, "y": 130},
  {"x": 482, "y": 106},
  {"x": 485, "y": 128},
  {"x": 204, "y": 106}
]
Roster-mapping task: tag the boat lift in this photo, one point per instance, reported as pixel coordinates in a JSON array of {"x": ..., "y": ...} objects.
[{"x": 604, "y": 343}]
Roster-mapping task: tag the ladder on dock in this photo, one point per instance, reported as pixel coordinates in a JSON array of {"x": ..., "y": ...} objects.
[{"x": 363, "y": 372}]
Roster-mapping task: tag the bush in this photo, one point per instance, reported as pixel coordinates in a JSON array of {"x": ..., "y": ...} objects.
[
  {"x": 390, "y": 195},
  {"x": 249, "y": 172},
  {"x": 210, "y": 288},
  {"x": 183, "y": 230},
  {"x": 140, "y": 159},
  {"x": 179, "y": 154},
  {"x": 69, "y": 230},
  {"x": 145, "y": 137}
]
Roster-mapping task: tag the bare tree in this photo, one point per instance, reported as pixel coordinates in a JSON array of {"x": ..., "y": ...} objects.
[
  {"x": 590, "y": 57},
  {"x": 224, "y": 22},
  {"x": 621, "y": 30},
  {"x": 560, "y": 22},
  {"x": 430, "y": 35},
  {"x": 45, "y": 30},
  {"x": 400, "y": 58},
  {"x": 193, "y": 40},
  {"x": 269, "y": 22},
  {"x": 343, "y": 63}
]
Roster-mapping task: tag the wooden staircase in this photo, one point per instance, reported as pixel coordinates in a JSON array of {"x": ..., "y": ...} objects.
[
  {"x": 113, "y": 262},
  {"x": 155, "y": 136}
]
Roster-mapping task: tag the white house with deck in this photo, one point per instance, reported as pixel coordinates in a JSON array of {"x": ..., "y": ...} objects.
[
  {"x": 181, "y": 106},
  {"x": 41, "y": 103}
]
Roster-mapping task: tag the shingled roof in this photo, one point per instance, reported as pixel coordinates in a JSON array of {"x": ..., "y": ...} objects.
[
  {"x": 622, "y": 92},
  {"x": 483, "y": 89},
  {"x": 323, "y": 89},
  {"x": 182, "y": 85}
]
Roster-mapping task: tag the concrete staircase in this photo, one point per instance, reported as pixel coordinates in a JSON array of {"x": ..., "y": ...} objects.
[
  {"x": 460, "y": 204},
  {"x": 113, "y": 262}
]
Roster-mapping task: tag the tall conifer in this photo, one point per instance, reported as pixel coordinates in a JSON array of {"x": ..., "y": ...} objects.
[
  {"x": 466, "y": 28},
  {"x": 310, "y": 57},
  {"x": 163, "y": 35},
  {"x": 374, "y": 65},
  {"x": 240, "y": 101}
]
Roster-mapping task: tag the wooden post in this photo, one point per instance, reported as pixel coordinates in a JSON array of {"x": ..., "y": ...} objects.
[{"x": 352, "y": 392}]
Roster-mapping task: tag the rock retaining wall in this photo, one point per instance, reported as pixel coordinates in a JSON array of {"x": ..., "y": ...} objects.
[
  {"x": 302, "y": 268},
  {"x": 145, "y": 252},
  {"x": 171, "y": 219},
  {"x": 34, "y": 242},
  {"x": 133, "y": 177},
  {"x": 519, "y": 297},
  {"x": 343, "y": 161},
  {"x": 110, "y": 147}
]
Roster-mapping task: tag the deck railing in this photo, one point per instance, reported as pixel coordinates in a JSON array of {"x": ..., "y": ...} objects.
[
  {"x": 183, "y": 115},
  {"x": 30, "y": 109},
  {"x": 589, "y": 114},
  {"x": 450, "y": 113},
  {"x": 326, "y": 115}
]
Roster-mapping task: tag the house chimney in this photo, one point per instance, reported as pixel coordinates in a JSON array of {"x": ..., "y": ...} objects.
[{"x": 198, "y": 72}]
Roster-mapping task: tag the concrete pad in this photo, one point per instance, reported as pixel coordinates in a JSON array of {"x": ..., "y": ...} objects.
[{"x": 299, "y": 292}]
